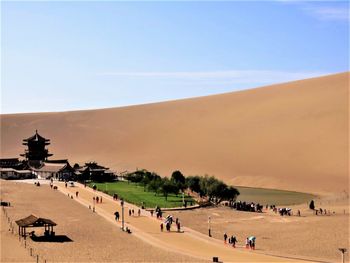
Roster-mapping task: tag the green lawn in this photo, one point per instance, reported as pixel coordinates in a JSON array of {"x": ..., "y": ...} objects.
[
  {"x": 272, "y": 196},
  {"x": 135, "y": 194}
]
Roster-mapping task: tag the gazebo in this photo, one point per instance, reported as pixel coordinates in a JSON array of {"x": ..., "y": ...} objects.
[{"x": 33, "y": 221}]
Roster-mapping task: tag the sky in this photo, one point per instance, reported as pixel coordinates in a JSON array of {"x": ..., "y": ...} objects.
[{"x": 61, "y": 56}]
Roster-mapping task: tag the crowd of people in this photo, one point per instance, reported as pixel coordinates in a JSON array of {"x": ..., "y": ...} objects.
[
  {"x": 246, "y": 206},
  {"x": 168, "y": 222},
  {"x": 250, "y": 241}
]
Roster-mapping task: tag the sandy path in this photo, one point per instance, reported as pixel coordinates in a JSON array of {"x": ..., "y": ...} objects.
[
  {"x": 93, "y": 238},
  {"x": 10, "y": 249},
  {"x": 309, "y": 236},
  {"x": 189, "y": 242}
]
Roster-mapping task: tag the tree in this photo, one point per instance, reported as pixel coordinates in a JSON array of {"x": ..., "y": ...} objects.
[
  {"x": 192, "y": 182},
  {"x": 169, "y": 187},
  {"x": 178, "y": 177},
  {"x": 228, "y": 194},
  {"x": 216, "y": 190},
  {"x": 312, "y": 205},
  {"x": 155, "y": 185}
]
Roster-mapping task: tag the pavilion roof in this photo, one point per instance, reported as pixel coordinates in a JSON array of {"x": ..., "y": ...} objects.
[
  {"x": 52, "y": 167},
  {"x": 33, "y": 221},
  {"x": 36, "y": 137}
]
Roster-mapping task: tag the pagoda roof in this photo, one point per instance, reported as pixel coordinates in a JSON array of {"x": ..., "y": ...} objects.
[{"x": 36, "y": 137}]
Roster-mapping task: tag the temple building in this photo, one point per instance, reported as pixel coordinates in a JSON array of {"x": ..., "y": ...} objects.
[
  {"x": 93, "y": 172},
  {"x": 37, "y": 165},
  {"x": 36, "y": 151}
]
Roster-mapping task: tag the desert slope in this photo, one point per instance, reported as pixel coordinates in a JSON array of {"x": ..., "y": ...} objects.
[{"x": 291, "y": 136}]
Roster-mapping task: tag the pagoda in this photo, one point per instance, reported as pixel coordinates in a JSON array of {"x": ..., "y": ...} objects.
[{"x": 36, "y": 151}]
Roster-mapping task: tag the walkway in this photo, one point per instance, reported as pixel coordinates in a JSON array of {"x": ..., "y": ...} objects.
[{"x": 147, "y": 228}]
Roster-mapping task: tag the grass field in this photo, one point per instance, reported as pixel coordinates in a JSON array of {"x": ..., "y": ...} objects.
[
  {"x": 135, "y": 194},
  {"x": 272, "y": 196}
]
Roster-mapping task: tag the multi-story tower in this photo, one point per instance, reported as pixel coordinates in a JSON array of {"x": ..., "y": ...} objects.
[{"x": 36, "y": 150}]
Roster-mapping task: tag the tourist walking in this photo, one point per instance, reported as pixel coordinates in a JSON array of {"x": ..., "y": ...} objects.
[
  {"x": 167, "y": 226},
  {"x": 178, "y": 226},
  {"x": 161, "y": 227},
  {"x": 233, "y": 241},
  {"x": 129, "y": 212},
  {"x": 225, "y": 238},
  {"x": 116, "y": 216},
  {"x": 247, "y": 243},
  {"x": 252, "y": 242},
  {"x": 76, "y": 194}
]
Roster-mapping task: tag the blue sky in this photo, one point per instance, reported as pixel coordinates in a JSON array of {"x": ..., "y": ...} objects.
[{"x": 58, "y": 56}]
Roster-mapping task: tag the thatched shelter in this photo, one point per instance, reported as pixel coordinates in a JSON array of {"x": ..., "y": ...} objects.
[{"x": 33, "y": 221}]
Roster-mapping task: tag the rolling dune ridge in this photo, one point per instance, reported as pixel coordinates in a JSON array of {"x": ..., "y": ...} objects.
[{"x": 290, "y": 136}]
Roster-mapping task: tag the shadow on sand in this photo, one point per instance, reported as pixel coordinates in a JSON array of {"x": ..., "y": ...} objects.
[{"x": 58, "y": 239}]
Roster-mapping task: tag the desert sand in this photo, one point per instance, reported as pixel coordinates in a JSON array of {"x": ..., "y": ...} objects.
[
  {"x": 288, "y": 136},
  {"x": 306, "y": 237},
  {"x": 93, "y": 238},
  {"x": 97, "y": 236}
]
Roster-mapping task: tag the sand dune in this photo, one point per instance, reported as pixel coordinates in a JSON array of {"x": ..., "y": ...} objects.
[{"x": 292, "y": 136}]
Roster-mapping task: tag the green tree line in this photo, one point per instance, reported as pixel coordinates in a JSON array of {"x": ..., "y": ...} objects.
[{"x": 210, "y": 187}]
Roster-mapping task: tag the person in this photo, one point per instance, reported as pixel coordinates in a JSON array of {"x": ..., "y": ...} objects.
[
  {"x": 233, "y": 241},
  {"x": 167, "y": 226},
  {"x": 225, "y": 237},
  {"x": 65, "y": 184},
  {"x": 253, "y": 245},
  {"x": 139, "y": 212},
  {"x": 321, "y": 211},
  {"x": 247, "y": 243},
  {"x": 116, "y": 216},
  {"x": 151, "y": 212},
  {"x": 76, "y": 194},
  {"x": 161, "y": 227},
  {"x": 252, "y": 242},
  {"x": 97, "y": 199},
  {"x": 298, "y": 212},
  {"x": 133, "y": 212},
  {"x": 178, "y": 226},
  {"x": 129, "y": 212}
]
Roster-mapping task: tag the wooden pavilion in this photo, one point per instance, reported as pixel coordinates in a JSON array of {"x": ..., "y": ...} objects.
[{"x": 33, "y": 221}]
